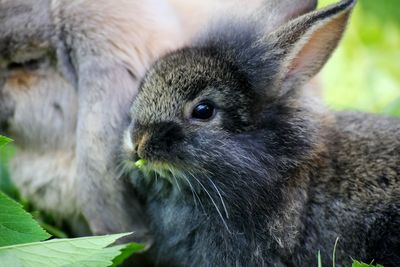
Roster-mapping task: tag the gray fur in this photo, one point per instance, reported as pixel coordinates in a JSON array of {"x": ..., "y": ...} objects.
[{"x": 273, "y": 177}]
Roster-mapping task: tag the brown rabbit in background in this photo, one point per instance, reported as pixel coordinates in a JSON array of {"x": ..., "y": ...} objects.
[
  {"x": 64, "y": 67},
  {"x": 240, "y": 168}
]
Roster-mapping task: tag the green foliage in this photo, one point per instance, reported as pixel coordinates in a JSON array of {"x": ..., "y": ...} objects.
[
  {"x": 20, "y": 245},
  {"x": 87, "y": 251},
  {"x": 364, "y": 73},
  {"x": 16, "y": 225},
  {"x": 126, "y": 252},
  {"x": 354, "y": 264},
  {"x": 4, "y": 141},
  {"x": 6, "y": 153},
  {"x": 360, "y": 264}
]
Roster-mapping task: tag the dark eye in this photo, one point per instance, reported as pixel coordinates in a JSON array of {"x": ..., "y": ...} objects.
[
  {"x": 203, "y": 111},
  {"x": 32, "y": 64}
]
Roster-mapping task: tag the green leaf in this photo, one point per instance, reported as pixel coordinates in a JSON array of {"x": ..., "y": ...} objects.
[
  {"x": 126, "y": 252},
  {"x": 360, "y": 264},
  {"x": 16, "y": 225},
  {"x": 78, "y": 252},
  {"x": 140, "y": 163},
  {"x": 6, "y": 185},
  {"x": 4, "y": 141},
  {"x": 54, "y": 231}
]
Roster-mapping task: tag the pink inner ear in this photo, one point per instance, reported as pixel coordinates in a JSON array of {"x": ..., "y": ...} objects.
[{"x": 317, "y": 49}]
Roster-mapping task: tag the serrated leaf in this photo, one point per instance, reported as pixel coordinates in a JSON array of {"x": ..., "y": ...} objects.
[
  {"x": 4, "y": 141},
  {"x": 78, "y": 252},
  {"x": 16, "y": 225}
]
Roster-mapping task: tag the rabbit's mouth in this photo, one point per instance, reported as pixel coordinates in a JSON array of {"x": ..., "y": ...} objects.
[
  {"x": 162, "y": 170},
  {"x": 155, "y": 169}
]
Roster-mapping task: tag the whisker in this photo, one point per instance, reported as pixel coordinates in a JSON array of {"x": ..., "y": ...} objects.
[
  {"x": 197, "y": 195},
  {"x": 215, "y": 205},
  {"x": 220, "y": 197},
  {"x": 192, "y": 190},
  {"x": 176, "y": 180},
  {"x": 177, "y": 183}
]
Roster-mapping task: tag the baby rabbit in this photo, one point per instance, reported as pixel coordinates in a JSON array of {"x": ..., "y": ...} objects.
[
  {"x": 58, "y": 105},
  {"x": 239, "y": 168}
]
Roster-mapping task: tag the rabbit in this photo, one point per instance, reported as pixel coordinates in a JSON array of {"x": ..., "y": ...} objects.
[
  {"x": 49, "y": 86},
  {"x": 65, "y": 66},
  {"x": 237, "y": 166}
]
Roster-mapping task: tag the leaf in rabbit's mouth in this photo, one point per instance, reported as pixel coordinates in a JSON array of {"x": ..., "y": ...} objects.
[
  {"x": 161, "y": 168},
  {"x": 140, "y": 163}
]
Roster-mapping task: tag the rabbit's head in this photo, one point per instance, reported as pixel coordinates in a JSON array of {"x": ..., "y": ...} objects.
[
  {"x": 38, "y": 104},
  {"x": 229, "y": 109}
]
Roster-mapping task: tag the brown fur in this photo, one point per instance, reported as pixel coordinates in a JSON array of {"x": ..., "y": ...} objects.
[{"x": 22, "y": 80}]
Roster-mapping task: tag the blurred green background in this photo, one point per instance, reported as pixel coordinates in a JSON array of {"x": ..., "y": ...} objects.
[{"x": 364, "y": 72}]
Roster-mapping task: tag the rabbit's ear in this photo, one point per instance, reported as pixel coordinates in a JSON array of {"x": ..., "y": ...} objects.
[
  {"x": 281, "y": 11},
  {"x": 303, "y": 45}
]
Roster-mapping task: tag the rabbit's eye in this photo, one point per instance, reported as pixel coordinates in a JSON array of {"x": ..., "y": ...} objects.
[
  {"x": 203, "y": 111},
  {"x": 28, "y": 65}
]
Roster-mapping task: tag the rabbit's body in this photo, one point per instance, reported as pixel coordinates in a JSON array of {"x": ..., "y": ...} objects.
[
  {"x": 354, "y": 195},
  {"x": 350, "y": 191},
  {"x": 244, "y": 169}
]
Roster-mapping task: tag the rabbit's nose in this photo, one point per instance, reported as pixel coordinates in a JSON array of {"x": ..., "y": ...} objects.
[
  {"x": 135, "y": 157},
  {"x": 140, "y": 145}
]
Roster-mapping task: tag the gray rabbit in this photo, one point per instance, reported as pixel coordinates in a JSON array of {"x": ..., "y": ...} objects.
[
  {"x": 66, "y": 112},
  {"x": 241, "y": 168}
]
